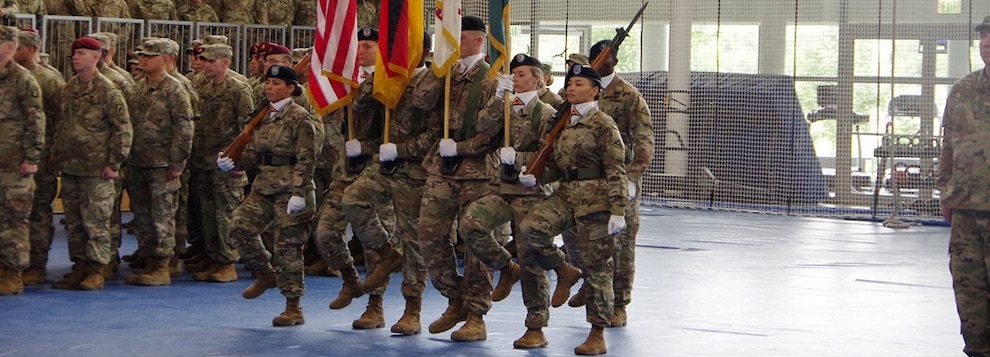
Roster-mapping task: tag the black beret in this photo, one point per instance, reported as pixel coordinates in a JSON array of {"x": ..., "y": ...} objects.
[
  {"x": 367, "y": 34},
  {"x": 284, "y": 73},
  {"x": 599, "y": 47},
  {"x": 472, "y": 23},
  {"x": 523, "y": 60},
  {"x": 586, "y": 72}
]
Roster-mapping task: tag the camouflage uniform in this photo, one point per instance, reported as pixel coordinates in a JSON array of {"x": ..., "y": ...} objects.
[
  {"x": 36, "y": 7},
  {"x": 22, "y": 140},
  {"x": 964, "y": 180},
  {"x": 182, "y": 197},
  {"x": 415, "y": 126},
  {"x": 202, "y": 13},
  {"x": 94, "y": 132},
  {"x": 626, "y": 106},
  {"x": 368, "y": 13},
  {"x": 100, "y": 8},
  {"x": 153, "y": 9},
  {"x": 510, "y": 202},
  {"x": 46, "y": 184},
  {"x": 446, "y": 196},
  {"x": 551, "y": 98},
  {"x": 225, "y": 109},
  {"x": 285, "y": 147},
  {"x": 582, "y": 203},
  {"x": 161, "y": 114},
  {"x": 237, "y": 11},
  {"x": 288, "y": 13}
]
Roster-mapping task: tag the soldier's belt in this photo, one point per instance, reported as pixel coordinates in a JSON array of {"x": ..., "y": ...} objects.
[
  {"x": 587, "y": 173},
  {"x": 277, "y": 160}
]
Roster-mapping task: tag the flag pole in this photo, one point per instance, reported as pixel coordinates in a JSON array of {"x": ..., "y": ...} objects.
[
  {"x": 350, "y": 122},
  {"x": 446, "y": 107},
  {"x": 507, "y": 105}
]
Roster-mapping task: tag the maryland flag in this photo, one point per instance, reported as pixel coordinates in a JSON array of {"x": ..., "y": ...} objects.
[
  {"x": 400, "y": 47},
  {"x": 447, "y": 27},
  {"x": 334, "y": 67},
  {"x": 498, "y": 27}
]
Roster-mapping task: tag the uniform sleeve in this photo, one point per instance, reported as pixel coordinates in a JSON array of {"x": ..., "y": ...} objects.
[
  {"x": 244, "y": 108},
  {"x": 613, "y": 158},
  {"x": 945, "y": 163},
  {"x": 488, "y": 129},
  {"x": 641, "y": 128},
  {"x": 182, "y": 136},
  {"x": 306, "y": 153},
  {"x": 121, "y": 131},
  {"x": 426, "y": 97},
  {"x": 34, "y": 112}
]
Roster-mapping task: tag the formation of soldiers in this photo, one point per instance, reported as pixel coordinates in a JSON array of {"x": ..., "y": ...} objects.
[{"x": 410, "y": 190}]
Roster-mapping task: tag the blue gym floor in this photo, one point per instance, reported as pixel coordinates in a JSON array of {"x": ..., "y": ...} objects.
[{"x": 707, "y": 284}]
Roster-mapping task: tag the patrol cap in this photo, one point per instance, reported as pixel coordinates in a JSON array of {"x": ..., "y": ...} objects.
[
  {"x": 216, "y": 51},
  {"x": 132, "y": 58},
  {"x": 106, "y": 39},
  {"x": 192, "y": 47},
  {"x": 87, "y": 43},
  {"x": 586, "y": 72},
  {"x": 299, "y": 53},
  {"x": 579, "y": 59},
  {"x": 472, "y": 23},
  {"x": 155, "y": 47},
  {"x": 174, "y": 46},
  {"x": 599, "y": 47},
  {"x": 28, "y": 37},
  {"x": 277, "y": 49},
  {"x": 985, "y": 25},
  {"x": 8, "y": 33},
  {"x": 524, "y": 60},
  {"x": 214, "y": 39},
  {"x": 367, "y": 34}
]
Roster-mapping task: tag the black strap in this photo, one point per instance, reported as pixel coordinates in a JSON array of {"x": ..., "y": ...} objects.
[
  {"x": 468, "y": 129},
  {"x": 277, "y": 160},
  {"x": 587, "y": 173}
]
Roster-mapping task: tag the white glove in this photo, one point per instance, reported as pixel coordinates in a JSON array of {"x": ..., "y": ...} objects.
[
  {"x": 388, "y": 152},
  {"x": 224, "y": 163},
  {"x": 507, "y": 155},
  {"x": 352, "y": 148},
  {"x": 615, "y": 224},
  {"x": 631, "y": 189},
  {"x": 296, "y": 204},
  {"x": 448, "y": 148},
  {"x": 526, "y": 179},
  {"x": 504, "y": 85}
]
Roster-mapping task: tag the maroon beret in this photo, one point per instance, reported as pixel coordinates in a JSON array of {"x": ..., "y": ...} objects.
[
  {"x": 277, "y": 49},
  {"x": 88, "y": 43}
]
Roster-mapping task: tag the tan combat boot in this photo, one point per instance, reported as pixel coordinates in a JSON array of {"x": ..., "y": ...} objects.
[
  {"x": 579, "y": 299},
  {"x": 350, "y": 290},
  {"x": 618, "y": 316},
  {"x": 200, "y": 265},
  {"x": 34, "y": 275},
  {"x": 595, "y": 344},
  {"x": 73, "y": 278},
  {"x": 567, "y": 276},
  {"x": 472, "y": 331},
  {"x": 293, "y": 314},
  {"x": 456, "y": 312},
  {"x": 409, "y": 323},
  {"x": 373, "y": 317},
  {"x": 390, "y": 260},
  {"x": 225, "y": 273},
  {"x": 532, "y": 339},
  {"x": 94, "y": 277},
  {"x": 10, "y": 282},
  {"x": 266, "y": 280},
  {"x": 510, "y": 275},
  {"x": 318, "y": 268},
  {"x": 174, "y": 267},
  {"x": 205, "y": 274},
  {"x": 156, "y": 274}
]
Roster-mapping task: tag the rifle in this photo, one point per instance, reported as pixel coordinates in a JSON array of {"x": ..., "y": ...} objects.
[
  {"x": 538, "y": 163},
  {"x": 236, "y": 147}
]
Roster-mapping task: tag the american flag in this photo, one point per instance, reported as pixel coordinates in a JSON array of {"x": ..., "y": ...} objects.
[{"x": 334, "y": 68}]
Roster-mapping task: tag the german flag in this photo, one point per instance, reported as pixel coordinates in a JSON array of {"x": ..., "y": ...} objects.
[{"x": 400, "y": 45}]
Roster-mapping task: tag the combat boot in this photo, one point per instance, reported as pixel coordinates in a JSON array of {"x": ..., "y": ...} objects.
[
  {"x": 579, "y": 298},
  {"x": 266, "y": 280},
  {"x": 409, "y": 322},
  {"x": 349, "y": 291},
  {"x": 199, "y": 265},
  {"x": 94, "y": 277},
  {"x": 390, "y": 260},
  {"x": 34, "y": 275},
  {"x": 111, "y": 268},
  {"x": 225, "y": 273},
  {"x": 293, "y": 314},
  {"x": 567, "y": 276},
  {"x": 73, "y": 278},
  {"x": 595, "y": 344},
  {"x": 618, "y": 316},
  {"x": 10, "y": 282},
  {"x": 456, "y": 312},
  {"x": 318, "y": 268},
  {"x": 532, "y": 339},
  {"x": 373, "y": 317},
  {"x": 155, "y": 274},
  {"x": 174, "y": 267},
  {"x": 472, "y": 331},
  {"x": 510, "y": 275},
  {"x": 205, "y": 275}
]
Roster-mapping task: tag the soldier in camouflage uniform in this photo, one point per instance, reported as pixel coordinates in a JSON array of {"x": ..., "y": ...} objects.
[
  {"x": 288, "y": 12},
  {"x": 35, "y": 7},
  {"x": 277, "y": 55},
  {"x": 459, "y": 174},
  {"x": 588, "y": 161},
  {"x": 626, "y": 106},
  {"x": 22, "y": 140},
  {"x": 238, "y": 11},
  {"x": 153, "y": 9},
  {"x": 285, "y": 147},
  {"x": 225, "y": 109},
  {"x": 546, "y": 95},
  {"x": 964, "y": 180},
  {"x": 398, "y": 182},
  {"x": 197, "y": 11},
  {"x": 91, "y": 141},
  {"x": 161, "y": 114},
  {"x": 9, "y": 7},
  {"x": 46, "y": 186},
  {"x": 511, "y": 201},
  {"x": 182, "y": 199}
]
